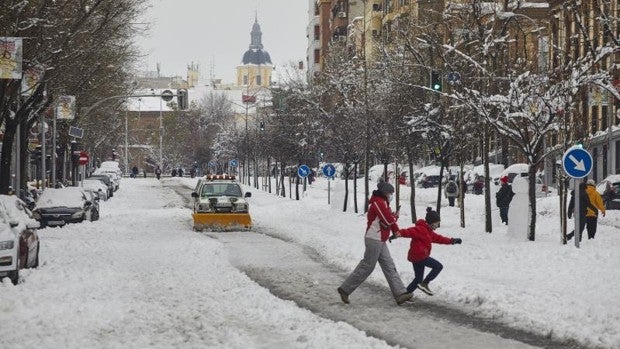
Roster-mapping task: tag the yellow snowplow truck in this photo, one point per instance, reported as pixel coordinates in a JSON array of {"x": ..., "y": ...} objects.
[{"x": 219, "y": 204}]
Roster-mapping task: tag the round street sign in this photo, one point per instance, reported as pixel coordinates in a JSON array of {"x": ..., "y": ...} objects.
[
  {"x": 167, "y": 95},
  {"x": 233, "y": 163},
  {"x": 303, "y": 171},
  {"x": 83, "y": 158},
  {"x": 329, "y": 170},
  {"x": 577, "y": 162}
]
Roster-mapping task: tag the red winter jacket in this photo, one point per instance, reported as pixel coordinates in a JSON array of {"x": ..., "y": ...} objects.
[
  {"x": 381, "y": 220},
  {"x": 422, "y": 236}
]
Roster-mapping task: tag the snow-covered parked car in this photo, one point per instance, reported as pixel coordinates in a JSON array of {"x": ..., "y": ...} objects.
[
  {"x": 57, "y": 207},
  {"x": 521, "y": 170},
  {"x": 19, "y": 242},
  {"x": 609, "y": 188},
  {"x": 96, "y": 186}
]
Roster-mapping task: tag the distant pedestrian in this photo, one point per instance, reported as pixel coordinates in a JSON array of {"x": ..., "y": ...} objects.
[
  {"x": 180, "y": 172},
  {"x": 478, "y": 185},
  {"x": 595, "y": 204},
  {"x": 422, "y": 236},
  {"x": 451, "y": 191},
  {"x": 584, "y": 202},
  {"x": 380, "y": 221},
  {"x": 144, "y": 172},
  {"x": 158, "y": 172},
  {"x": 134, "y": 172},
  {"x": 503, "y": 197},
  {"x": 174, "y": 172}
]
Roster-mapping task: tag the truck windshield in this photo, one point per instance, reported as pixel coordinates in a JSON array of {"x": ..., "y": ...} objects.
[{"x": 221, "y": 189}]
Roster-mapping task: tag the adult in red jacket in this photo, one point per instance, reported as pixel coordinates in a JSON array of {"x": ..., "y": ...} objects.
[
  {"x": 381, "y": 221},
  {"x": 422, "y": 237}
]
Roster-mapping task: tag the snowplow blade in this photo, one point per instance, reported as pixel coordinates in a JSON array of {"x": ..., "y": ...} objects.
[{"x": 221, "y": 221}]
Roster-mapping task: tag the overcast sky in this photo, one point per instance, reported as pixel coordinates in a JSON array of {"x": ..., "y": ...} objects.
[{"x": 217, "y": 33}]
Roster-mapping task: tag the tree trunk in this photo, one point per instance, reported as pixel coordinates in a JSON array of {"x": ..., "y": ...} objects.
[
  {"x": 414, "y": 217},
  {"x": 355, "y": 165},
  {"x": 439, "y": 187},
  {"x": 462, "y": 196},
  {"x": 487, "y": 194},
  {"x": 7, "y": 154},
  {"x": 532, "y": 195}
]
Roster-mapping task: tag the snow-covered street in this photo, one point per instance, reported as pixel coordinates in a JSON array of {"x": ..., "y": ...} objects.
[{"x": 140, "y": 277}]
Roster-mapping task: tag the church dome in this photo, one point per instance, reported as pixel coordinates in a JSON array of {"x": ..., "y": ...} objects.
[
  {"x": 259, "y": 56},
  {"x": 256, "y": 54}
]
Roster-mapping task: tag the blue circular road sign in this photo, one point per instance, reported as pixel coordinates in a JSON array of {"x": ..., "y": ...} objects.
[
  {"x": 233, "y": 163},
  {"x": 577, "y": 162},
  {"x": 303, "y": 171},
  {"x": 329, "y": 170}
]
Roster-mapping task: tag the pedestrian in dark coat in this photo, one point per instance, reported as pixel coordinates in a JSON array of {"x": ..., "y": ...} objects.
[
  {"x": 158, "y": 172},
  {"x": 422, "y": 236},
  {"x": 451, "y": 191},
  {"x": 503, "y": 197},
  {"x": 584, "y": 201},
  {"x": 380, "y": 222}
]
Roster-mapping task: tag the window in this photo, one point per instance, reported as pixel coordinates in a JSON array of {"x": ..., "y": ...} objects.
[
  {"x": 594, "y": 119},
  {"x": 245, "y": 79},
  {"x": 317, "y": 56},
  {"x": 376, "y": 7},
  {"x": 317, "y": 32},
  {"x": 259, "y": 80}
]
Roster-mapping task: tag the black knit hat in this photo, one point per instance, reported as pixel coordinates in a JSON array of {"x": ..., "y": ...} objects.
[
  {"x": 385, "y": 188},
  {"x": 431, "y": 216}
]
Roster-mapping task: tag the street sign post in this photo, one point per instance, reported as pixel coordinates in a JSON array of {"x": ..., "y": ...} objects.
[
  {"x": 83, "y": 160},
  {"x": 167, "y": 95},
  {"x": 303, "y": 171},
  {"x": 577, "y": 164},
  {"x": 329, "y": 171}
]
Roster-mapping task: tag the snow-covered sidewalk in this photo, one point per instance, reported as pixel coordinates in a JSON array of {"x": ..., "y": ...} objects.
[
  {"x": 542, "y": 286},
  {"x": 140, "y": 277}
]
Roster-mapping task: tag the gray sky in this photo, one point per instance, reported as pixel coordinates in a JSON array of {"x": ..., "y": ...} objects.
[{"x": 218, "y": 32}]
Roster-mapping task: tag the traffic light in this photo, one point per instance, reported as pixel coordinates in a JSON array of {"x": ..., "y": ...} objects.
[
  {"x": 182, "y": 99},
  {"x": 436, "y": 83},
  {"x": 262, "y": 126}
]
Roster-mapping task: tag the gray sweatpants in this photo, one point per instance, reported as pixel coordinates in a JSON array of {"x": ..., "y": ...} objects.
[{"x": 376, "y": 251}]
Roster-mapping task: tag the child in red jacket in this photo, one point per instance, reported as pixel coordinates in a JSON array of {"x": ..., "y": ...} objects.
[{"x": 422, "y": 236}]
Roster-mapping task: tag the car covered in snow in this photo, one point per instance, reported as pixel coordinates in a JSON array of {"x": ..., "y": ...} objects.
[
  {"x": 19, "y": 242},
  {"x": 57, "y": 207},
  {"x": 219, "y": 203},
  {"x": 521, "y": 170},
  {"x": 609, "y": 188}
]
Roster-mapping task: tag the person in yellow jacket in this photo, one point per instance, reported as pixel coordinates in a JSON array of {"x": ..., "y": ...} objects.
[{"x": 596, "y": 204}]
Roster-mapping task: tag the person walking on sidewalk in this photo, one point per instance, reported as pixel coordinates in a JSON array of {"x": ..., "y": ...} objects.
[
  {"x": 596, "y": 204},
  {"x": 503, "y": 197},
  {"x": 380, "y": 222},
  {"x": 422, "y": 236},
  {"x": 584, "y": 202},
  {"x": 451, "y": 191}
]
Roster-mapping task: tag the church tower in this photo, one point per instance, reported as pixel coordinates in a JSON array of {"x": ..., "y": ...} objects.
[{"x": 256, "y": 67}]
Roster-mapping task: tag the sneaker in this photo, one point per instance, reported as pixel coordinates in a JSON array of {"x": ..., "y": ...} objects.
[
  {"x": 343, "y": 295},
  {"x": 403, "y": 298},
  {"x": 424, "y": 287}
]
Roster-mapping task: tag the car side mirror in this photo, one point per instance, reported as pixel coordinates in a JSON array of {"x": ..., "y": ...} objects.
[
  {"x": 247, "y": 195},
  {"x": 194, "y": 194},
  {"x": 13, "y": 223}
]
